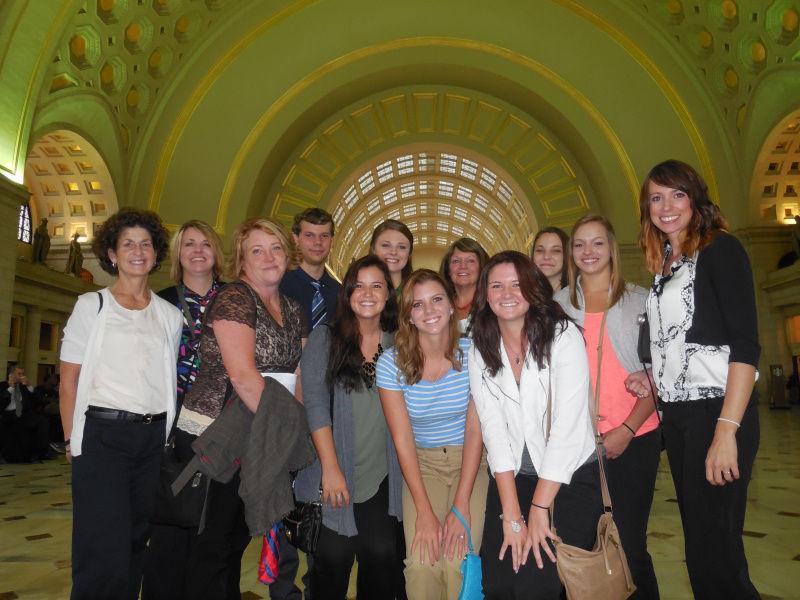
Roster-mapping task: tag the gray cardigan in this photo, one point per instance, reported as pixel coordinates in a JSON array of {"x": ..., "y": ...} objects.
[
  {"x": 622, "y": 322},
  {"x": 316, "y": 397}
]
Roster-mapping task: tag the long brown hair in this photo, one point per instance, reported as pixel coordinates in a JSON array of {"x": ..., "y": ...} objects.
[
  {"x": 617, "y": 281},
  {"x": 345, "y": 358},
  {"x": 541, "y": 320},
  {"x": 564, "y": 248},
  {"x": 410, "y": 360},
  {"x": 706, "y": 217},
  {"x": 402, "y": 228}
]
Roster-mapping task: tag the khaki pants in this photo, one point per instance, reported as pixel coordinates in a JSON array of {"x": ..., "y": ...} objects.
[{"x": 441, "y": 472}]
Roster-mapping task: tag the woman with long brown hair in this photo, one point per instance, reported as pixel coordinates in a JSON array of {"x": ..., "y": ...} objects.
[
  {"x": 424, "y": 387},
  {"x": 393, "y": 242},
  {"x": 705, "y": 351},
  {"x": 530, "y": 381},
  {"x": 358, "y": 468},
  {"x": 548, "y": 252}
]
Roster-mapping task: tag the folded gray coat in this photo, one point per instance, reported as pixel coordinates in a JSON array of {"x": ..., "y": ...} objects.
[{"x": 267, "y": 446}]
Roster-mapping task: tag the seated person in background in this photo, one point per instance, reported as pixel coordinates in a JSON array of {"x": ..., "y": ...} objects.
[
  {"x": 46, "y": 401},
  {"x": 25, "y": 433}
]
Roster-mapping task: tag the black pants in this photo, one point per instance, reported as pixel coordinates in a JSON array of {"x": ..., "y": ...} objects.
[
  {"x": 214, "y": 564},
  {"x": 578, "y": 506},
  {"x": 170, "y": 547},
  {"x": 631, "y": 481},
  {"x": 284, "y": 588},
  {"x": 28, "y": 436},
  {"x": 712, "y": 516},
  {"x": 113, "y": 496},
  {"x": 375, "y": 547}
]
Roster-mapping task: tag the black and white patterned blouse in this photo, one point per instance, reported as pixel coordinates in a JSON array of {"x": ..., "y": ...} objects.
[{"x": 702, "y": 317}]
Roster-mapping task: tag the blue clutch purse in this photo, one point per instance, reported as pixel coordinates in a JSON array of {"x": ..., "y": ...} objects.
[{"x": 471, "y": 576}]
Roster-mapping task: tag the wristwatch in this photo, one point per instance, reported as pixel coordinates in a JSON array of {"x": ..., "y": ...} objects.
[{"x": 516, "y": 525}]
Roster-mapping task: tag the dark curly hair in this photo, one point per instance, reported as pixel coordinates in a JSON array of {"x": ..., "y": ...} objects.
[{"x": 107, "y": 236}]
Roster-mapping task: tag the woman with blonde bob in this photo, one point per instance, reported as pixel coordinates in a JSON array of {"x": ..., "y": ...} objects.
[
  {"x": 704, "y": 344},
  {"x": 424, "y": 389},
  {"x": 600, "y": 301},
  {"x": 249, "y": 330},
  {"x": 197, "y": 262}
]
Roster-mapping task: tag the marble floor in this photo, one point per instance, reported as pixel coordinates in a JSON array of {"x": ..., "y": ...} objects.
[{"x": 35, "y": 525}]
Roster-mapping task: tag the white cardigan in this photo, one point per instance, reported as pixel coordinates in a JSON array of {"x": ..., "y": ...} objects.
[
  {"x": 83, "y": 340},
  {"x": 512, "y": 416}
]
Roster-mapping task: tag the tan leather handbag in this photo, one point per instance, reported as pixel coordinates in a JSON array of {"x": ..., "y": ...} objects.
[{"x": 601, "y": 573}]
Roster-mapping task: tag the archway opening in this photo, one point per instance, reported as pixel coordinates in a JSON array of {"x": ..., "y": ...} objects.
[
  {"x": 72, "y": 189},
  {"x": 441, "y": 192}
]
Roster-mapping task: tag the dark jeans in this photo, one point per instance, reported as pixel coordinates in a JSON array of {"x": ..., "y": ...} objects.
[
  {"x": 214, "y": 565},
  {"x": 631, "y": 481},
  {"x": 113, "y": 496},
  {"x": 376, "y": 548},
  {"x": 712, "y": 516},
  {"x": 578, "y": 507},
  {"x": 170, "y": 547}
]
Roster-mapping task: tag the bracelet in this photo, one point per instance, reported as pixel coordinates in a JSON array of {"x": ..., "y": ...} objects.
[
  {"x": 540, "y": 506},
  {"x": 729, "y": 421},
  {"x": 628, "y": 427}
]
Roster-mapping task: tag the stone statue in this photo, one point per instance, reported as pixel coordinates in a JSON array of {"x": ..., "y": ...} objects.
[
  {"x": 75, "y": 258},
  {"x": 796, "y": 235},
  {"x": 41, "y": 242}
]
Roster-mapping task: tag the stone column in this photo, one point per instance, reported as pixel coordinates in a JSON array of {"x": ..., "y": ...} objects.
[
  {"x": 11, "y": 196},
  {"x": 30, "y": 349}
]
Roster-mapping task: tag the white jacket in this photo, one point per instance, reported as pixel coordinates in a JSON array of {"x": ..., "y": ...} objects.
[
  {"x": 83, "y": 340},
  {"x": 512, "y": 416}
]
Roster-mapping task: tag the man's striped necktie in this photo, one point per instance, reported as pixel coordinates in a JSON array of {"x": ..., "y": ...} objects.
[{"x": 318, "y": 308}]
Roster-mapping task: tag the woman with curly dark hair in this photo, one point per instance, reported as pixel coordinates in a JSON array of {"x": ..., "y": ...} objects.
[
  {"x": 358, "y": 469},
  {"x": 117, "y": 399}
]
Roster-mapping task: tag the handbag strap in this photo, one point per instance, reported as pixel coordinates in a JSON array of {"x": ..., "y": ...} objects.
[
  {"x": 595, "y": 412},
  {"x": 454, "y": 510}
]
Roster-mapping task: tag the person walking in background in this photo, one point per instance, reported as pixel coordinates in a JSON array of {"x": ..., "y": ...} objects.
[
  {"x": 424, "y": 388},
  {"x": 197, "y": 263},
  {"x": 547, "y": 252},
  {"x": 608, "y": 309},
  {"x": 117, "y": 400},
  {"x": 460, "y": 268},
  {"x": 358, "y": 468},
  {"x": 705, "y": 350},
  {"x": 393, "y": 242}
]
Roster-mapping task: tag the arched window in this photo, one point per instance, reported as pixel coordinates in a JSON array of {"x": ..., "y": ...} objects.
[{"x": 24, "y": 231}]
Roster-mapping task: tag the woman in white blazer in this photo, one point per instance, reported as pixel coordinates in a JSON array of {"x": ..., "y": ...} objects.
[
  {"x": 525, "y": 349},
  {"x": 117, "y": 404}
]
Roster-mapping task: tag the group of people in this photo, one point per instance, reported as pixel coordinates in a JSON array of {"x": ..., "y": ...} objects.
[{"x": 442, "y": 405}]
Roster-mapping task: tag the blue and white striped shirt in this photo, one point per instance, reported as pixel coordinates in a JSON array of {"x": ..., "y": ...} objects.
[{"x": 438, "y": 410}]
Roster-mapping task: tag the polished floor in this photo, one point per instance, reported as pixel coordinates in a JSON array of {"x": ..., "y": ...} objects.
[{"x": 35, "y": 525}]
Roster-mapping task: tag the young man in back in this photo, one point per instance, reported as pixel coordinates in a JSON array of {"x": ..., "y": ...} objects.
[{"x": 315, "y": 290}]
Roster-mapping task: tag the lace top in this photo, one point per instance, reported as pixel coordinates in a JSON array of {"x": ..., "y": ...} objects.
[{"x": 277, "y": 349}]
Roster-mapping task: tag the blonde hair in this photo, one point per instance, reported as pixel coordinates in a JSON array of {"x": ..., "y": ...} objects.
[
  {"x": 176, "y": 269},
  {"x": 410, "y": 360},
  {"x": 264, "y": 224},
  {"x": 617, "y": 281}
]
